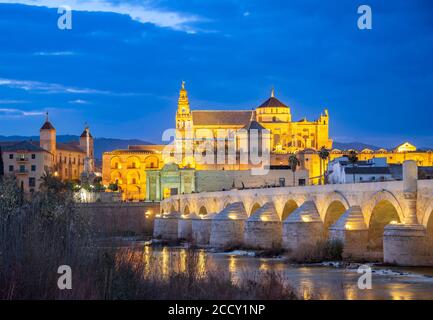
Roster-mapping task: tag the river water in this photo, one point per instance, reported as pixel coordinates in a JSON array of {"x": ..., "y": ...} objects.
[{"x": 310, "y": 281}]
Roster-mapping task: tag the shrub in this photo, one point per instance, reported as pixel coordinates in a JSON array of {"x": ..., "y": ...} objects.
[{"x": 323, "y": 250}]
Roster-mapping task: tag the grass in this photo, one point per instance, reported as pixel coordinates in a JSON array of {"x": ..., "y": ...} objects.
[{"x": 323, "y": 250}]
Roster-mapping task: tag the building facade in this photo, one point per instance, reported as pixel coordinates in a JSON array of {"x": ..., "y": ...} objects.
[
  {"x": 147, "y": 173},
  {"x": 340, "y": 170},
  {"x": 29, "y": 160}
]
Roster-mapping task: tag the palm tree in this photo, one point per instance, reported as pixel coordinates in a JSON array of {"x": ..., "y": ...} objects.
[
  {"x": 353, "y": 159},
  {"x": 323, "y": 155},
  {"x": 52, "y": 183},
  {"x": 294, "y": 163}
]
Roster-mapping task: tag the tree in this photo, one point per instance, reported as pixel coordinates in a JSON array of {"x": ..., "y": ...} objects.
[
  {"x": 2, "y": 172},
  {"x": 113, "y": 186},
  {"x": 323, "y": 155},
  {"x": 293, "y": 163},
  {"x": 51, "y": 183},
  {"x": 353, "y": 159}
]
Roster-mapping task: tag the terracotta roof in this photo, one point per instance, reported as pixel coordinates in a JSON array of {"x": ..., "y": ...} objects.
[
  {"x": 83, "y": 135},
  {"x": 221, "y": 117},
  {"x": 72, "y": 146},
  {"x": 254, "y": 125},
  {"x": 47, "y": 126},
  {"x": 23, "y": 146},
  {"x": 272, "y": 102}
]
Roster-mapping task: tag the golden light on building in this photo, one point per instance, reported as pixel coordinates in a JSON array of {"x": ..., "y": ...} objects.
[{"x": 306, "y": 219}]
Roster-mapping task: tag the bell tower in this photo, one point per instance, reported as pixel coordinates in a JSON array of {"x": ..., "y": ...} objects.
[
  {"x": 183, "y": 115},
  {"x": 184, "y": 130}
]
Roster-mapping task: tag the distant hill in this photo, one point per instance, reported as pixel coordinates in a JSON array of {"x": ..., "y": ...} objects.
[
  {"x": 353, "y": 145},
  {"x": 101, "y": 144}
]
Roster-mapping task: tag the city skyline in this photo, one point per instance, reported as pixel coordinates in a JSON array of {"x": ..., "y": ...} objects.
[{"x": 107, "y": 70}]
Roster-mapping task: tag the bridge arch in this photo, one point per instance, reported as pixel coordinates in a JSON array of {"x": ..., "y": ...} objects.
[
  {"x": 384, "y": 212},
  {"x": 227, "y": 201},
  {"x": 428, "y": 214},
  {"x": 382, "y": 195},
  {"x": 186, "y": 209},
  {"x": 172, "y": 207},
  {"x": 428, "y": 223},
  {"x": 290, "y": 206},
  {"x": 202, "y": 211},
  {"x": 334, "y": 211},
  {"x": 254, "y": 207}
]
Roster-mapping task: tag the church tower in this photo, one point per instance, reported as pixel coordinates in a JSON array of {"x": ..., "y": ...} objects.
[
  {"x": 47, "y": 138},
  {"x": 184, "y": 131},
  {"x": 183, "y": 115}
]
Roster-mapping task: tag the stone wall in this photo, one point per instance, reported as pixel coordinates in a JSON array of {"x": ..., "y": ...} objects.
[
  {"x": 121, "y": 218},
  {"x": 213, "y": 180}
]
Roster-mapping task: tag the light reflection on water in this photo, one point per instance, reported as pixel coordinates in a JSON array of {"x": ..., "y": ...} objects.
[{"x": 311, "y": 282}]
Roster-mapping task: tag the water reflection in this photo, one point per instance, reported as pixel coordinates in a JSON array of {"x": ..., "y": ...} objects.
[{"x": 310, "y": 282}]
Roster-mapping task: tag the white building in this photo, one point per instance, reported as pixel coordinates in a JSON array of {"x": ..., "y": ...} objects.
[{"x": 340, "y": 170}]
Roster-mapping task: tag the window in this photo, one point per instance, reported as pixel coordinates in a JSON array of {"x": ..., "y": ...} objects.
[
  {"x": 11, "y": 168},
  {"x": 33, "y": 156},
  {"x": 301, "y": 182},
  {"x": 11, "y": 156},
  {"x": 33, "y": 168},
  {"x": 32, "y": 182},
  {"x": 22, "y": 156},
  {"x": 22, "y": 168},
  {"x": 282, "y": 182}
]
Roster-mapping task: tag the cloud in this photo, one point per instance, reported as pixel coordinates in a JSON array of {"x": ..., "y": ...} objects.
[
  {"x": 19, "y": 113},
  {"x": 143, "y": 13},
  {"x": 13, "y": 101},
  {"x": 78, "y": 101},
  {"x": 42, "y": 87},
  {"x": 55, "y": 53}
]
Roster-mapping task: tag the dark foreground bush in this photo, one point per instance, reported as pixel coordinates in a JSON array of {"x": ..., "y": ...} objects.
[
  {"x": 39, "y": 234},
  {"x": 324, "y": 250}
]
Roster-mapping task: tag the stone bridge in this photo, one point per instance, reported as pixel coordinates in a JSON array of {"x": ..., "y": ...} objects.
[{"x": 391, "y": 219}]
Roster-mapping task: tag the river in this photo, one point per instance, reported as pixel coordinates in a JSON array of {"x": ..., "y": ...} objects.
[{"x": 318, "y": 281}]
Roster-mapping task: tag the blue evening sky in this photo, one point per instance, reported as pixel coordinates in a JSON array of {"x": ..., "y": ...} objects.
[{"x": 121, "y": 65}]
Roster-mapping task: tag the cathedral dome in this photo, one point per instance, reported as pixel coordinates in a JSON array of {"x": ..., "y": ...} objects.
[{"x": 272, "y": 102}]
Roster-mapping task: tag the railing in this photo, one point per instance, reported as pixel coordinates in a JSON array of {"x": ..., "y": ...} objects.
[{"x": 21, "y": 171}]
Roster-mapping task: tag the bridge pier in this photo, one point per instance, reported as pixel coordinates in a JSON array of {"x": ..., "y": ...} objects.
[
  {"x": 166, "y": 226},
  {"x": 228, "y": 226},
  {"x": 263, "y": 228},
  {"x": 406, "y": 244},
  {"x": 303, "y": 227},
  {"x": 352, "y": 231},
  {"x": 185, "y": 226},
  {"x": 201, "y": 229}
]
